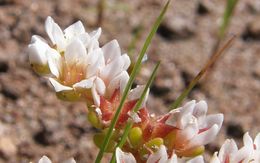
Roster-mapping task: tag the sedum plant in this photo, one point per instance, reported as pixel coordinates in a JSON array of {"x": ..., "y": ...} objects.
[{"x": 79, "y": 69}]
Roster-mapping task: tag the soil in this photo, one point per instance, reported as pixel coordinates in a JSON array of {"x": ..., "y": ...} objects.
[{"x": 33, "y": 122}]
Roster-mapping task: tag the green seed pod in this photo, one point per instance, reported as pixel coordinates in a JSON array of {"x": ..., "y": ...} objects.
[
  {"x": 135, "y": 136},
  {"x": 193, "y": 152},
  {"x": 100, "y": 137},
  {"x": 155, "y": 143},
  {"x": 169, "y": 140},
  {"x": 94, "y": 119}
]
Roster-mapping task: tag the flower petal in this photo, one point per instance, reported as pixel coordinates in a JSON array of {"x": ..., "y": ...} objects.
[
  {"x": 97, "y": 90},
  {"x": 44, "y": 159},
  {"x": 248, "y": 140},
  {"x": 111, "y": 51},
  {"x": 95, "y": 34},
  {"x": 54, "y": 62},
  {"x": 159, "y": 156},
  {"x": 137, "y": 92},
  {"x": 226, "y": 149},
  {"x": 95, "y": 62},
  {"x": 204, "y": 137},
  {"x": 55, "y": 33},
  {"x": 59, "y": 87},
  {"x": 200, "y": 109},
  {"x": 85, "y": 84},
  {"x": 37, "y": 51},
  {"x": 126, "y": 60},
  {"x": 122, "y": 157},
  {"x": 198, "y": 159},
  {"x": 191, "y": 129},
  {"x": 176, "y": 116},
  {"x": 214, "y": 119},
  {"x": 74, "y": 30},
  {"x": 76, "y": 53},
  {"x": 257, "y": 141},
  {"x": 119, "y": 81}
]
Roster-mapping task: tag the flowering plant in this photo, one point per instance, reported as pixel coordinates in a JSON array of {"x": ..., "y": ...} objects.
[{"x": 79, "y": 69}]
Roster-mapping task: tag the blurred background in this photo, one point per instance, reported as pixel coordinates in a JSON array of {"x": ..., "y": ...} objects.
[{"x": 33, "y": 122}]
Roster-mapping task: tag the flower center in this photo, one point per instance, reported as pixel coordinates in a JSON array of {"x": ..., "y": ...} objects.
[{"x": 72, "y": 73}]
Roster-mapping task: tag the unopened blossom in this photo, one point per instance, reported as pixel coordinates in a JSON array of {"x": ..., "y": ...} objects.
[
  {"x": 194, "y": 128},
  {"x": 45, "y": 159},
  {"x": 229, "y": 153},
  {"x": 71, "y": 60},
  {"x": 160, "y": 156},
  {"x": 113, "y": 75}
]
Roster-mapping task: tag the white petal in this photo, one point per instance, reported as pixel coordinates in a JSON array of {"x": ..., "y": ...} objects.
[
  {"x": 59, "y": 87},
  {"x": 134, "y": 116},
  {"x": 55, "y": 33},
  {"x": 84, "y": 38},
  {"x": 198, "y": 159},
  {"x": 173, "y": 159},
  {"x": 76, "y": 53},
  {"x": 112, "y": 69},
  {"x": 44, "y": 159},
  {"x": 126, "y": 60},
  {"x": 74, "y": 30},
  {"x": 248, "y": 140},
  {"x": 200, "y": 109},
  {"x": 92, "y": 45},
  {"x": 217, "y": 119},
  {"x": 190, "y": 130},
  {"x": 37, "y": 51},
  {"x": 54, "y": 61},
  {"x": 204, "y": 137},
  {"x": 84, "y": 84},
  {"x": 119, "y": 81},
  {"x": 188, "y": 107},
  {"x": 159, "y": 156},
  {"x": 241, "y": 155},
  {"x": 137, "y": 92},
  {"x": 95, "y": 61},
  {"x": 122, "y": 157},
  {"x": 111, "y": 50},
  {"x": 100, "y": 86},
  {"x": 226, "y": 149},
  {"x": 96, "y": 97},
  {"x": 176, "y": 118},
  {"x": 95, "y": 34},
  {"x": 257, "y": 141}
]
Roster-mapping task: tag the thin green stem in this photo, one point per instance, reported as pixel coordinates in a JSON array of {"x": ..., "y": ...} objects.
[
  {"x": 129, "y": 83},
  {"x": 135, "y": 109}
]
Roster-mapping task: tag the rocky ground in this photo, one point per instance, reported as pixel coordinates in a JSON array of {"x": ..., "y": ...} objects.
[{"x": 33, "y": 122}]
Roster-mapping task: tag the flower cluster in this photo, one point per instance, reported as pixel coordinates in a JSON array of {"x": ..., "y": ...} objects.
[{"x": 79, "y": 69}]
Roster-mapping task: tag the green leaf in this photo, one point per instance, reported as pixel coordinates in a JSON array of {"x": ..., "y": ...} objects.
[
  {"x": 130, "y": 82},
  {"x": 136, "y": 108},
  {"x": 211, "y": 61}
]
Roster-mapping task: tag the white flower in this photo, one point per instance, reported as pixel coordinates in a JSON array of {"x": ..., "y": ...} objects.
[
  {"x": 122, "y": 157},
  {"x": 45, "y": 159},
  {"x": 226, "y": 149},
  {"x": 250, "y": 152},
  {"x": 73, "y": 58},
  {"x": 195, "y": 127},
  {"x": 113, "y": 76},
  {"x": 160, "y": 156},
  {"x": 229, "y": 152}
]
